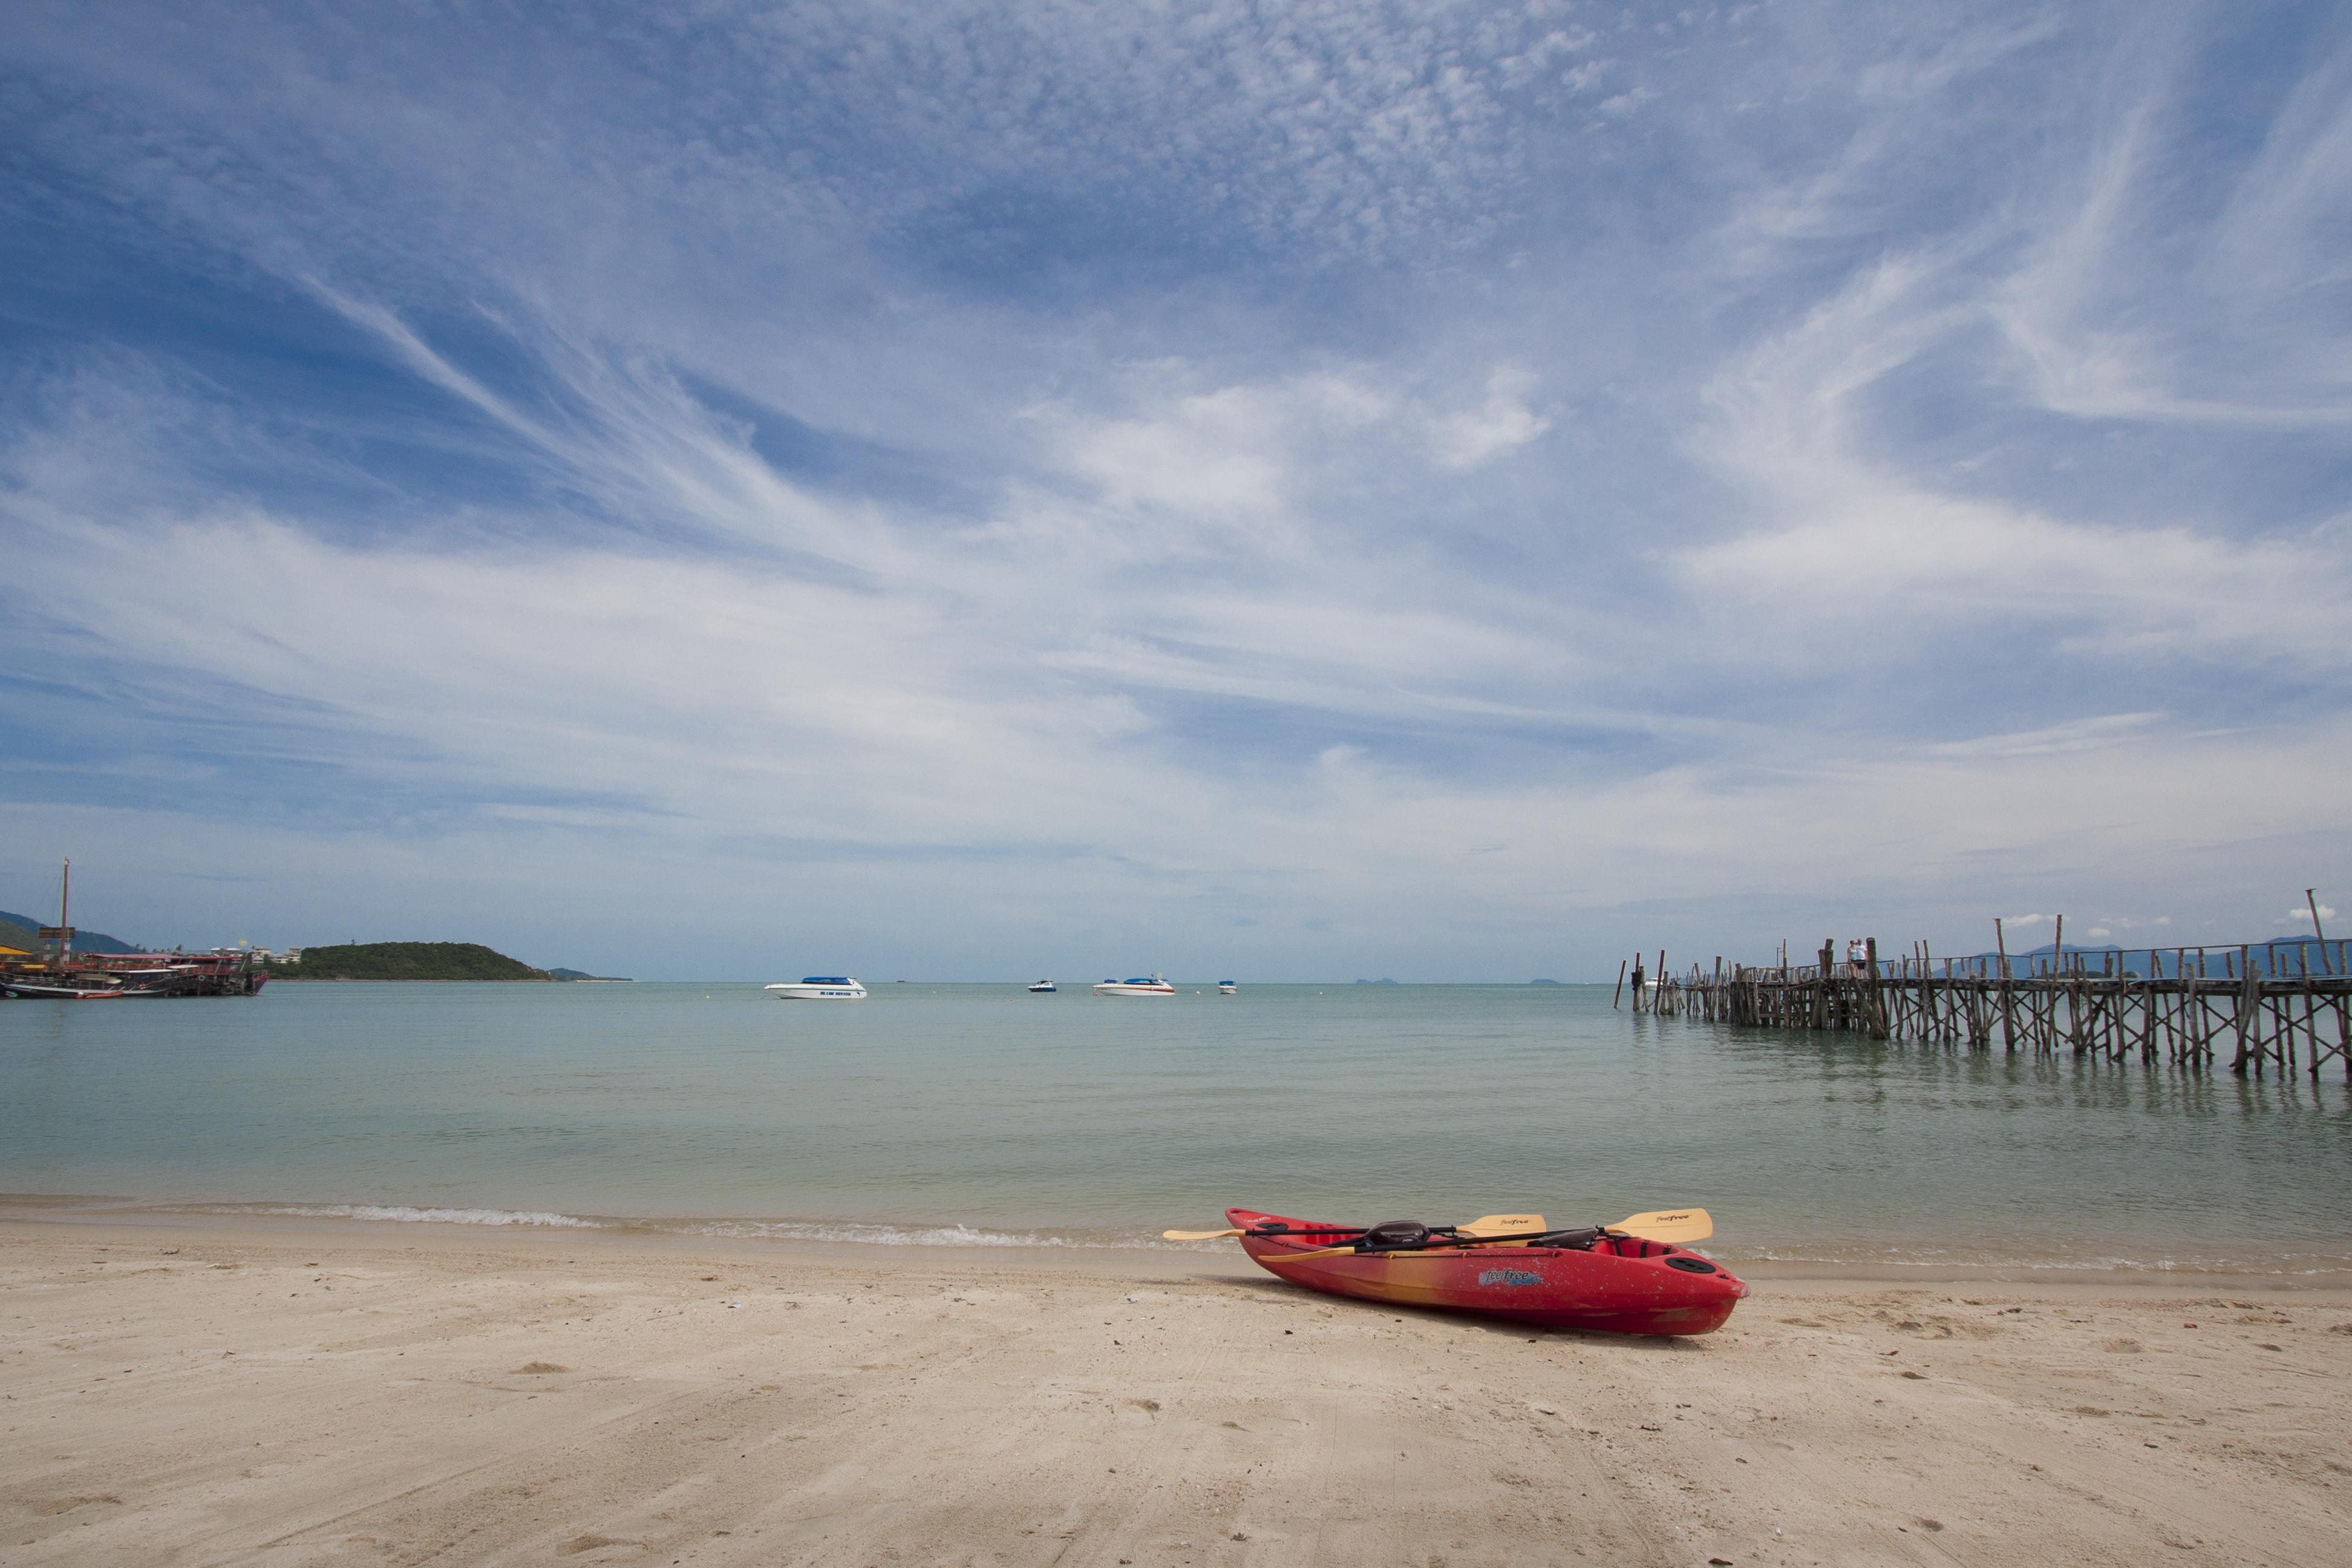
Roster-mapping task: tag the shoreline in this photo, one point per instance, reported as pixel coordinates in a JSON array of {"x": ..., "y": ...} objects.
[
  {"x": 1015, "y": 1249},
  {"x": 200, "y": 1388}
]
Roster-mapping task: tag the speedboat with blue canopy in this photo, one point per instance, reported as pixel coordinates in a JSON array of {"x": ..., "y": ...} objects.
[
  {"x": 1141, "y": 986},
  {"x": 819, "y": 988}
]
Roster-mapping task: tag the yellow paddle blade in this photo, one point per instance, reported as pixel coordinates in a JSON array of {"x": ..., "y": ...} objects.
[
  {"x": 1668, "y": 1224},
  {"x": 1505, "y": 1225},
  {"x": 1195, "y": 1235}
]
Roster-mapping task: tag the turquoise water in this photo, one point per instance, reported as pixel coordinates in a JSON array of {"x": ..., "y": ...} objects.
[{"x": 981, "y": 1113}]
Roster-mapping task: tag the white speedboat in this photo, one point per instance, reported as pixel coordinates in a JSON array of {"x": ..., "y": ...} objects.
[
  {"x": 1044, "y": 988},
  {"x": 1226, "y": 987},
  {"x": 820, "y": 988},
  {"x": 1143, "y": 986}
]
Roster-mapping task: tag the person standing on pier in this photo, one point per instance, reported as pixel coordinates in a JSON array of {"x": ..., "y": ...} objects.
[{"x": 1857, "y": 957}]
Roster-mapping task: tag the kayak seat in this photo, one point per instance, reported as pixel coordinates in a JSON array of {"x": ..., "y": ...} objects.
[
  {"x": 1395, "y": 1233},
  {"x": 1569, "y": 1240}
]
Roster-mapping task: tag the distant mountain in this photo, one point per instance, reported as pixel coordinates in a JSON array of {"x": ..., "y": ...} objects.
[
  {"x": 407, "y": 960},
  {"x": 1543, "y": 983},
  {"x": 1383, "y": 981},
  {"x": 84, "y": 941}
]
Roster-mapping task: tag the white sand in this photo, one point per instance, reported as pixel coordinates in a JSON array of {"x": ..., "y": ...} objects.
[{"x": 205, "y": 1390}]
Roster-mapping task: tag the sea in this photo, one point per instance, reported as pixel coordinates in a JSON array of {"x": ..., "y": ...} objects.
[{"x": 977, "y": 1115}]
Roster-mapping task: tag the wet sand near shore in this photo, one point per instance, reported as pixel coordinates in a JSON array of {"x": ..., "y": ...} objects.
[{"x": 200, "y": 1390}]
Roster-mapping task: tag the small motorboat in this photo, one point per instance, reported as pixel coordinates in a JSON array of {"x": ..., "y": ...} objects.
[
  {"x": 1142, "y": 985},
  {"x": 1044, "y": 988},
  {"x": 33, "y": 990},
  {"x": 1598, "y": 1277},
  {"x": 1226, "y": 987},
  {"x": 819, "y": 988}
]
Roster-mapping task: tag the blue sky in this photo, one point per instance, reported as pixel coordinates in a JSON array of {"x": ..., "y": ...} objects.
[{"x": 964, "y": 489}]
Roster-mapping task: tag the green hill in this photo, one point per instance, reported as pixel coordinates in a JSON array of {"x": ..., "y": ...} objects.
[
  {"x": 24, "y": 926},
  {"x": 407, "y": 960}
]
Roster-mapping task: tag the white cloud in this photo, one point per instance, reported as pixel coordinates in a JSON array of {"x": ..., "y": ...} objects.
[
  {"x": 1853, "y": 542},
  {"x": 1108, "y": 417},
  {"x": 1465, "y": 439}
]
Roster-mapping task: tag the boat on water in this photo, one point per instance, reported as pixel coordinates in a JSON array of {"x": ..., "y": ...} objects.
[
  {"x": 1226, "y": 988},
  {"x": 1141, "y": 986},
  {"x": 1596, "y": 1277},
  {"x": 1044, "y": 988},
  {"x": 819, "y": 988},
  {"x": 17, "y": 990},
  {"x": 59, "y": 973}
]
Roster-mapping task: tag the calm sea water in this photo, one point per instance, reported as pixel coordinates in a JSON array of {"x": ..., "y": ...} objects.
[{"x": 981, "y": 1113}]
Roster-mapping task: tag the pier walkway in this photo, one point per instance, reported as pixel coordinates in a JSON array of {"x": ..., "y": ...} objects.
[{"x": 2255, "y": 1007}]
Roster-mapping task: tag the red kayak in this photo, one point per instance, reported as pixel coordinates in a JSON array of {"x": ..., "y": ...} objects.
[{"x": 1593, "y": 1279}]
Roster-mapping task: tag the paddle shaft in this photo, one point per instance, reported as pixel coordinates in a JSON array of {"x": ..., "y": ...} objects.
[
  {"x": 1288, "y": 1232},
  {"x": 1629, "y": 1228},
  {"x": 1660, "y": 1225},
  {"x": 1427, "y": 1245}
]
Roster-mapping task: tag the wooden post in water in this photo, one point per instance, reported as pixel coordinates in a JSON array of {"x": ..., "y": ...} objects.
[
  {"x": 1613, "y": 995},
  {"x": 2008, "y": 1014},
  {"x": 1927, "y": 1020},
  {"x": 2249, "y": 994}
]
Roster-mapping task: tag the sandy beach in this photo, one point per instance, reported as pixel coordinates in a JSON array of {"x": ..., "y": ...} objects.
[{"x": 193, "y": 1390}]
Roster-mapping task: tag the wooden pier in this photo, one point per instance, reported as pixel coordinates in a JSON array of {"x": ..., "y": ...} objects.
[{"x": 2256, "y": 1008}]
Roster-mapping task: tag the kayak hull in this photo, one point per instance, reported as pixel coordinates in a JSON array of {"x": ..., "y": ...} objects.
[{"x": 1622, "y": 1286}]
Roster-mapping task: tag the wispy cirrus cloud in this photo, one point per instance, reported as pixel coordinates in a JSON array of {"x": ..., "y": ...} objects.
[{"x": 1052, "y": 478}]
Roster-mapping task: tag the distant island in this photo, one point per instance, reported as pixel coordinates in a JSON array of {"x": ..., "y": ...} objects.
[
  {"x": 407, "y": 960},
  {"x": 580, "y": 974},
  {"x": 1543, "y": 983},
  {"x": 1383, "y": 981}
]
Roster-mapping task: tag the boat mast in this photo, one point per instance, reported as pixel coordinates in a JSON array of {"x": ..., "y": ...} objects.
[{"x": 65, "y": 909}]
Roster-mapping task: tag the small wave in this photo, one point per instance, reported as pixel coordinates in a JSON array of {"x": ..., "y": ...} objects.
[
  {"x": 875, "y": 1235},
  {"x": 863, "y": 1232},
  {"x": 2284, "y": 1267},
  {"x": 872, "y": 1234},
  {"x": 404, "y": 1212}
]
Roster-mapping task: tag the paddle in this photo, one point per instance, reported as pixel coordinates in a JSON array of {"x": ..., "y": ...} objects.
[
  {"x": 1215, "y": 1234},
  {"x": 1485, "y": 1224},
  {"x": 1497, "y": 1230},
  {"x": 1504, "y": 1225},
  {"x": 1662, "y": 1225}
]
